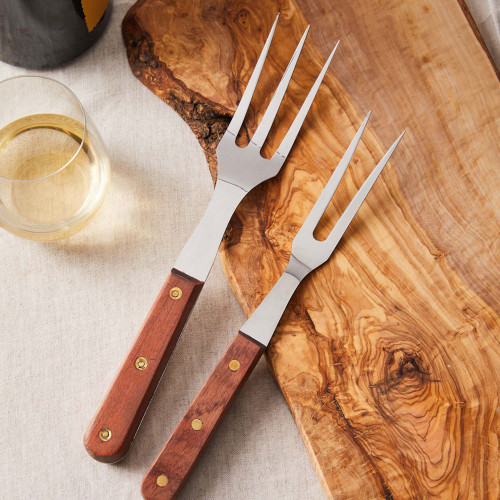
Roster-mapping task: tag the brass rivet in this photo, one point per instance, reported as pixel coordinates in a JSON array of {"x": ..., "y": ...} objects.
[
  {"x": 196, "y": 424},
  {"x": 162, "y": 481},
  {"x": 176, "y": 293},
  {"x": 234, "y": 365},
  {"x": 105, "y": 434},
  {"x": 141, "y": 363}
]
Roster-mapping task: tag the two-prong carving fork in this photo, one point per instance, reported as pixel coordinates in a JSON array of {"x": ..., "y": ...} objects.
[
  {"x": 118, "y": 417},
  {"x": 173, "y": 465}
]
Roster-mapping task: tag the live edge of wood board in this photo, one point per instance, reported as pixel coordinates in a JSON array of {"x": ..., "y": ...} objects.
[{"x": 388, "y": 356}]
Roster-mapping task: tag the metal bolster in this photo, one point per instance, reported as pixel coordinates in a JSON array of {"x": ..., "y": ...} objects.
[
  {"x": 261, "y": 324},
  {"x": 297, "y": 268}
]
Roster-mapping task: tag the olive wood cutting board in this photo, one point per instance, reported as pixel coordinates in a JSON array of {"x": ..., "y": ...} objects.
[{"x": 388, "y": 355}]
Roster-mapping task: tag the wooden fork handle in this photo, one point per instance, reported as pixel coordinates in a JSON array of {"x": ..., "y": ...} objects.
[
  {"x": 119, "y": 415},
  {"x": 185, "y": 446}
]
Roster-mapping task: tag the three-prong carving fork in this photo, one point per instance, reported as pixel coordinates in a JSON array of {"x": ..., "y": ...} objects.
[
  {"x": 118, "y": 417},
  {"x": 173, "y": 465}
]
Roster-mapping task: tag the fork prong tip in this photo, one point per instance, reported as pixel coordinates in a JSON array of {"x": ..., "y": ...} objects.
[
  {"x": 270, "y": 114},
  {"x": 400, "y": 137},
  {"x": 330, "y": 57},
  {"x": 365, "y": 121}
]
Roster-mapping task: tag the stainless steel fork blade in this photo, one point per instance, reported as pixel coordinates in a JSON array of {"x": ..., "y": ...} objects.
[
  {"x": 307, "y": 252},
  {"x": 241, "y": 169}
]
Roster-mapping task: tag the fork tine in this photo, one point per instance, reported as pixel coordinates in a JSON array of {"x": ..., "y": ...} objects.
[
  {"x": 293, "y": 131},
  {"x": 346, "y": 218},
  {"x": 267, "y": 120},
  {"x": 241, "y": 110},
  {"x": 326, "y": 195}
]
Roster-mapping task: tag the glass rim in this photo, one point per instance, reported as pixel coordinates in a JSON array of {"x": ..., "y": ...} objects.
[{"x": 74, "y": 96}]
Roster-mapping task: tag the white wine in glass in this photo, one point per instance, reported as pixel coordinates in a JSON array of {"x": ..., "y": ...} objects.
[{"x": 54, "y": 169}]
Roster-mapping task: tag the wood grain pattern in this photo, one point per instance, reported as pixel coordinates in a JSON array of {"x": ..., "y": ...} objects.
[
  {"x": 388, "y": 355},
  {"x": 123, "y": 407},
  {"x": 186, "y": 445}
]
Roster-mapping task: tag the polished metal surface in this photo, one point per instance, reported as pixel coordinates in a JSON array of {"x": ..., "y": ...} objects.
[
  {"x": 241, "y": 169},
  {"x": 261, "y": 324},
  {"x": 307, "y": 252},
  {"x": 199, "y": 252},
  {"x": 307, "y": 249}
]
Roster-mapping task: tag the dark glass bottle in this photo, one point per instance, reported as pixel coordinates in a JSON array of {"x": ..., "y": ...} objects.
[{"x": 45, "y": 33}]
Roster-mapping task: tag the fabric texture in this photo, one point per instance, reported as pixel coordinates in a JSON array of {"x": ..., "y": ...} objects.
[{"x": 70, "y": 310}]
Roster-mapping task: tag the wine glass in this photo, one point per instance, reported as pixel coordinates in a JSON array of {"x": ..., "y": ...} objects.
[{"x": 54, "y": 169}]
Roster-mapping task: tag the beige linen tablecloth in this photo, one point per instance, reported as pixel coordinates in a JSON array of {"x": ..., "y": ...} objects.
[{"x": 69, "y": 311}]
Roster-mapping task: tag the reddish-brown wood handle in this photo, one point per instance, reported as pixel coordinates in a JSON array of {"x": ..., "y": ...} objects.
[
  {"x": 185, "y": 446},
  {"x": 119, "y": 415}
]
